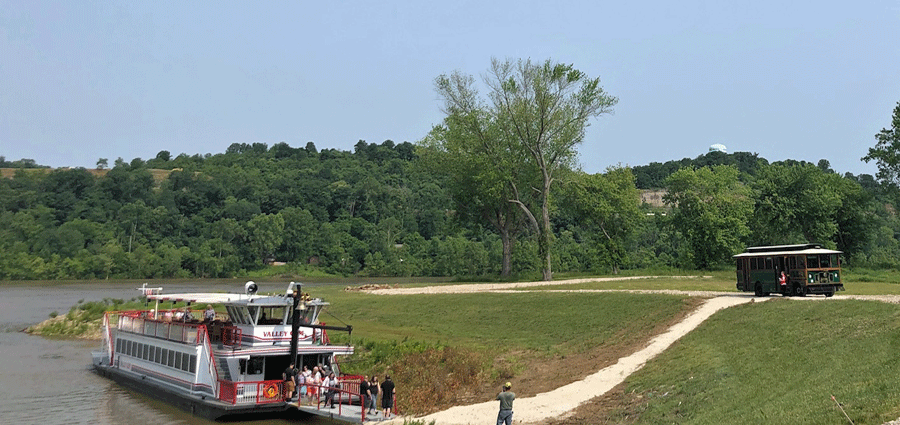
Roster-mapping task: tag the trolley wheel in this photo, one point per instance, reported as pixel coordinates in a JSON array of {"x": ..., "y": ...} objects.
[
  {"x": 758, "y": 291},
  {"x": 799, "y": 290},
  {"x": 829, "y": 293}
]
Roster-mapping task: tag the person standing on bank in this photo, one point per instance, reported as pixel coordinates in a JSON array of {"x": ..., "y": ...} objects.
[
  {"x": 506, "y": 398},
  {"x": 387, "y": 395}
]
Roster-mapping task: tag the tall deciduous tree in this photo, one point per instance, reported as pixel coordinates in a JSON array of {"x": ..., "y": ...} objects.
[
  {"x": 610, "y": 202},
  {"x": 536, "y": 117},
  {"x": 265, "y": 232},
  {"x": 803, "y": 203},
  {"x": 711, "y": 209},
  {"x": 886, "y": 152},
  {"x": 478, "y": 179}
]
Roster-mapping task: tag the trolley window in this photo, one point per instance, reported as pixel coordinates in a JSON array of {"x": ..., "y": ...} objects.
[{"x": 812, "y": 261}]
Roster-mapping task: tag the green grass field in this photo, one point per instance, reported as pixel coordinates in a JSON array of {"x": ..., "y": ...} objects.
[
  {"x": 543, "y": 322},
  {"x": 779, "y": 362}
]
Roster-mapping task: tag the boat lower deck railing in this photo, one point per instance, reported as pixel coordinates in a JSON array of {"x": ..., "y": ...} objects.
[{"x": 251, "y": 392}]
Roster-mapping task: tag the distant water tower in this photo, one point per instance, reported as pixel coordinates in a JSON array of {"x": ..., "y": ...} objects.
[{"x": 718, "y": 147}]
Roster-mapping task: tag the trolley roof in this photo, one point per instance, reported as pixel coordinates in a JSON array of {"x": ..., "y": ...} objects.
[{"x": 759, "y": 251}]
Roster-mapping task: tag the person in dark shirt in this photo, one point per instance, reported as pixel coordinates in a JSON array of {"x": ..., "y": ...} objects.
[
  {"x": 288, "y": 378},
  {"x": 373, "y": 388},
  {"x": 506, "y": 398},
  {"x": 387, "y": 395},
  {"x": 364, "y": 394}
]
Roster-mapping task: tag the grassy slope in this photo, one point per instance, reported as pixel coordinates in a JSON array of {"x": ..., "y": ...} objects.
[
  {"x": 776, "y": 362},
  {"x": 542, "y": 322},
  {"x": 773, "y": 362},
  {"x": 538, "y": 340}
]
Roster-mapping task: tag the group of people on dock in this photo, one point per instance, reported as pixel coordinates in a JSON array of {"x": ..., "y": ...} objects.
[
  {"x": 370, "y": 389},
  {"x": 308, "y": 385}
]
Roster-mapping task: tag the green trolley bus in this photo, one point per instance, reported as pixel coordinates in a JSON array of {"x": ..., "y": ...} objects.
[{"x": 808, "y": 268}]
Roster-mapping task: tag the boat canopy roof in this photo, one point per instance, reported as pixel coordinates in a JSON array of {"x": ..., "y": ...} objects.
[{"x": 232, "y": 299}]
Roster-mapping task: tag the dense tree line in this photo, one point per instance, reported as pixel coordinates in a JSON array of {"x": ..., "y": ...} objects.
[
  {"x": 382, "y": 210},
  {"x": 442, "y": 207}
]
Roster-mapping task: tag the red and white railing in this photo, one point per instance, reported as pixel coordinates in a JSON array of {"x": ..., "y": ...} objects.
[{"x": 251, "y": 392}]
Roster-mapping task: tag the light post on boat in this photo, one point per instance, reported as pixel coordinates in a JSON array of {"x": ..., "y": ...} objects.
[
  {"x": 150, "y": 291},
  {"x": 296, "y": 311}
]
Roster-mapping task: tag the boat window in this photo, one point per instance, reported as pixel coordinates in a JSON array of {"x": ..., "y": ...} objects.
[
  {"x": 307, "y": 315},
  {"x": 253, "y": 313},
  {"x": 272, "y": 316},
  {"x": 255, "y": 366},
  {"x": 178, "y": 360},
  {"x": 146, "y": 354},
  {"x": 193, "y": 365},
  {"x": 156, "y": 357},
  {"x": 162, "y": 330},
  {"x": 238, "y": 315},
  {"x": 171, "y": 361}
]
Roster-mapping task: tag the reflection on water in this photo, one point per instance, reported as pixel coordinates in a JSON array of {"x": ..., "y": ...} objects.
[{"x": 49, "y": 380}]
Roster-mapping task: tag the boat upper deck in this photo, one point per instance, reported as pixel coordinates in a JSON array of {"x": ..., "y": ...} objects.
[{"x": 249, "y": 320}]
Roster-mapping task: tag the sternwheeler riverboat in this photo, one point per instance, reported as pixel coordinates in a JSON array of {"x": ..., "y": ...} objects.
[{"x": 220, "y": 364}]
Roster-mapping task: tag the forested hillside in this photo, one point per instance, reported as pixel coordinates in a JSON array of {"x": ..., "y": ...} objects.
[{"x": 382, "y": 210}]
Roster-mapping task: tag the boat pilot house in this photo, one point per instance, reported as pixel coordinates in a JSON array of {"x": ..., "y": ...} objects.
[{"x": 789, "y": 270}]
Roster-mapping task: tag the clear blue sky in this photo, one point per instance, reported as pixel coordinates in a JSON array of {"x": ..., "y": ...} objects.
[{"x": 83, "y": 80}]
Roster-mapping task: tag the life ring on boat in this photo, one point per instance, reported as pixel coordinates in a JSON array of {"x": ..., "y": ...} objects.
[{"x": 270, "y": 391}]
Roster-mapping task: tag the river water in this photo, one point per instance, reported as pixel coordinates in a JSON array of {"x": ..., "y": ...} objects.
[{"x": 50, "y": 381}]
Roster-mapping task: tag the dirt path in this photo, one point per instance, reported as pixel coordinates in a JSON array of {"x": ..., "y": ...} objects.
[
  {"x": 495, "y": 287},
  {"x": 563, "y": 400}
]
